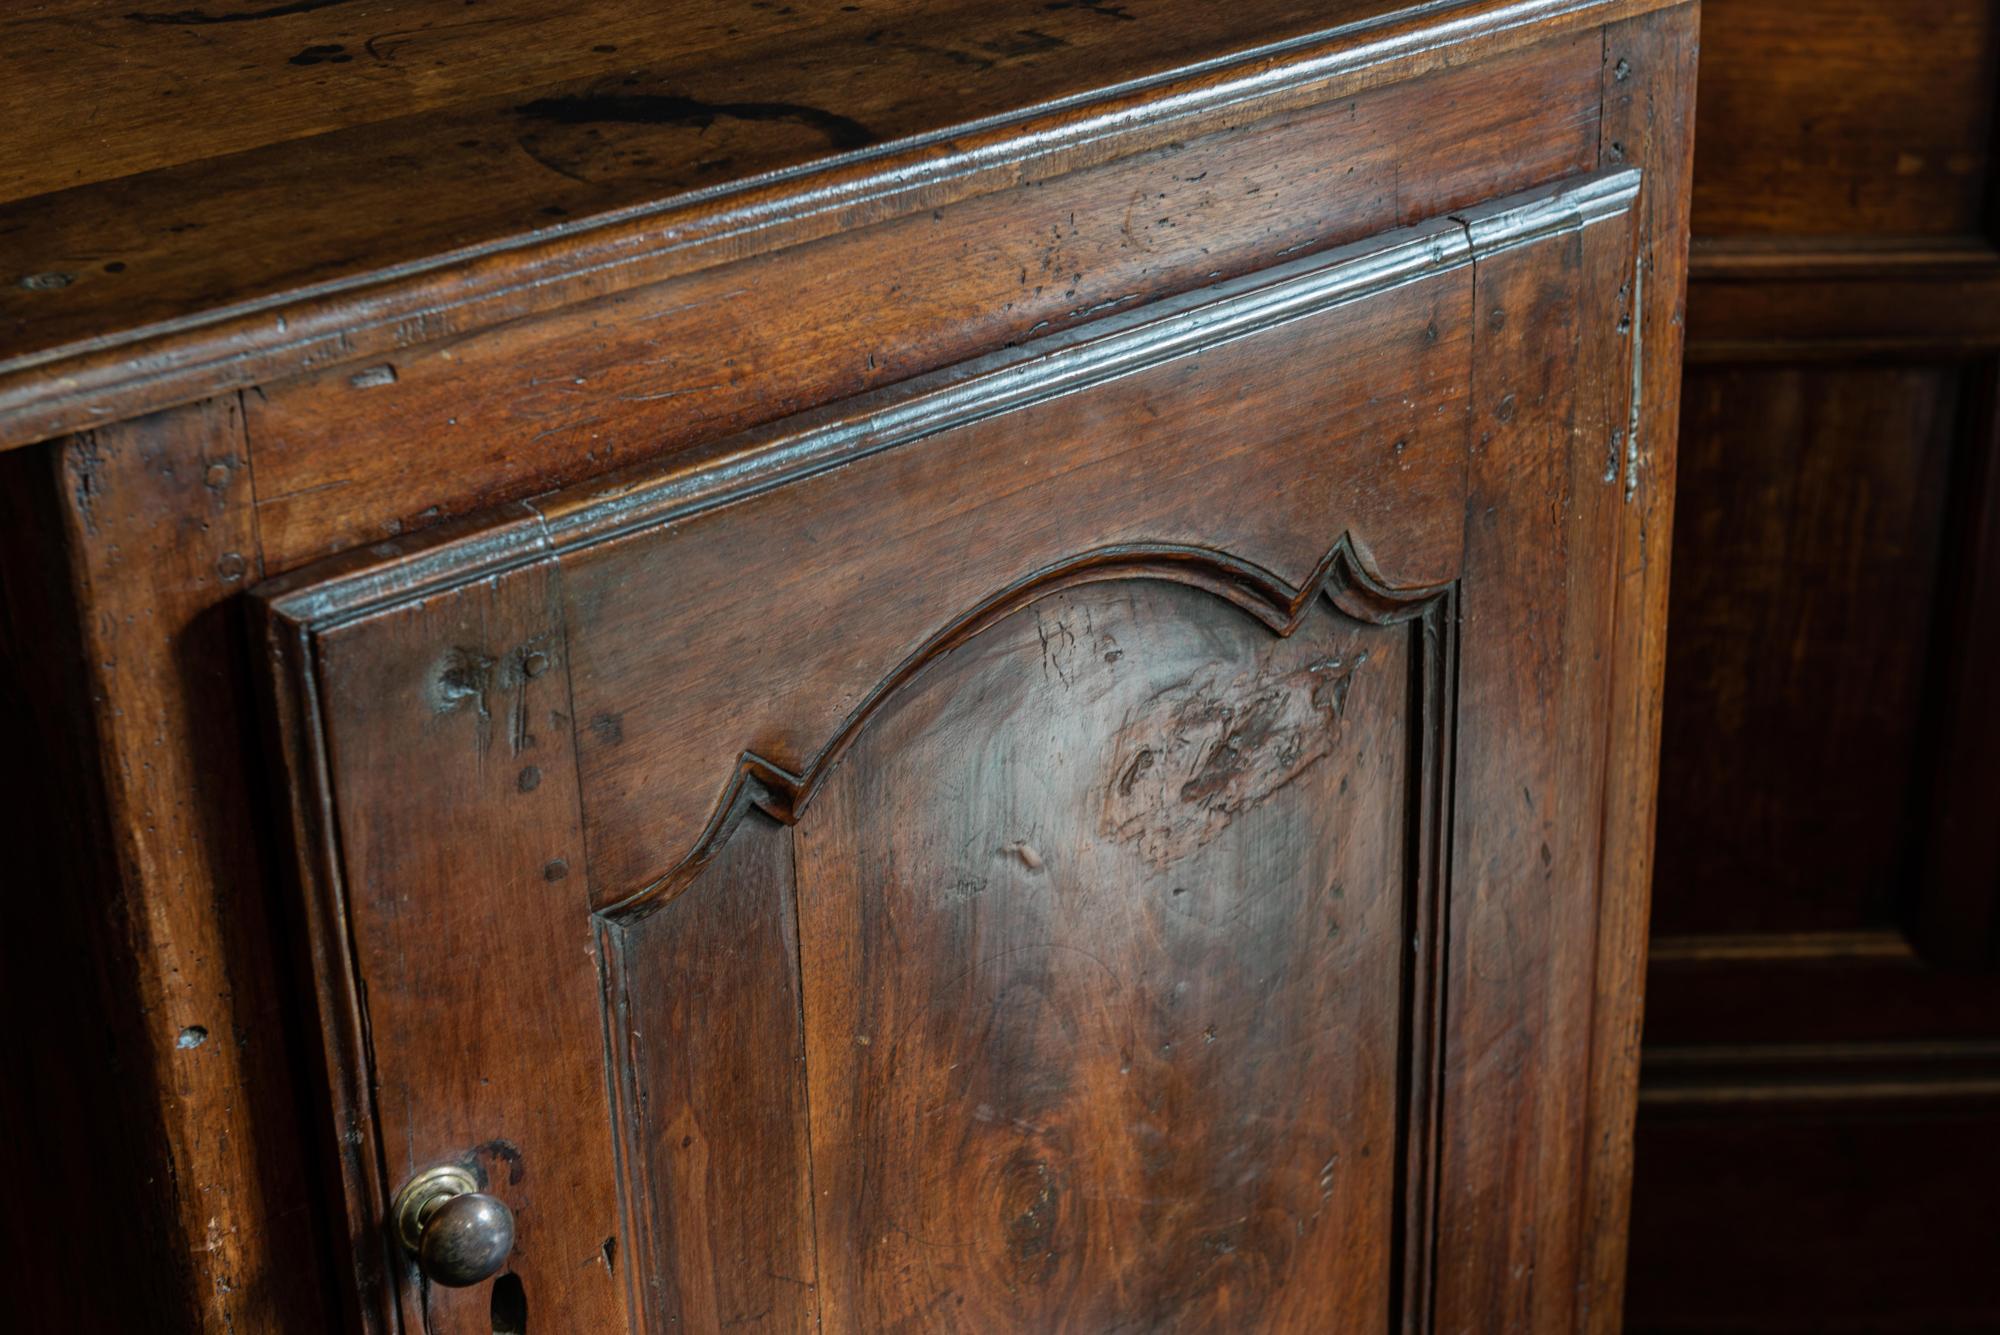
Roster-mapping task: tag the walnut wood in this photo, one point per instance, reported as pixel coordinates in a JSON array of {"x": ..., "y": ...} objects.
[
  {"x": 1816, "y": 864},
  {"x": 515, "y": 1084},
  {"x": 56, "y": 1111},
  {"x": 788, "y": 413},
  {"x": 705, "y": 996},
  {"x": 1131, "y": 1052},
  {"x": 1956, "y": 921},
  {"x": 1830, "y": 479},
  {"x": 624, "y": 378},
  {"x": 156, "y": 538},
  {"x": 1649, "y": 72},
  {"x": 862, "y": 614},
  {"x": 1512, "y": 1158},
  {"x": 1857, "y": 118},
  {"x": 226, "y": 280}
]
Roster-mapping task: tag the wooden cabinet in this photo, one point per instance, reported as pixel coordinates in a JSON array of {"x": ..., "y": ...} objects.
[
  {"x": 1823, "y": 1018},
  {"x": 1042, "y": 724}
]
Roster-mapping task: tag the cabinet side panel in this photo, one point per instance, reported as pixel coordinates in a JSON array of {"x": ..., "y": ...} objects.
[
  {"x": 79, "y": 1122},
  {"x": 158, "y": 524}
]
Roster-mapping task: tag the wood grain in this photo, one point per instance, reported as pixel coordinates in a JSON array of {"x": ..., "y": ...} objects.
[
  {"x": 158, "y": 531},
  {"x": 1649, "y": 67},
  {"x": 1136, "y": 462},
  {"x": 457, "y": 857},
  {"x": 1250, "y": 440},
  {"x": 1912, "y": 1260},
  {"x": 1854, "y": 118},
  {"x": 57, "y": 1112},
  {"x": 373, "y": 226},
  {"x": 440, "y": 227},
  {"x": 706, "y": 1026},
  {"x": 1843, "y": 323},
  {"x": 1101, "y": 926},
  {"x": 655, "y": 370},
  {"x": 1810, "y": 546},
  {"x": 1957, "y": 918},
  {"x": 1525, "y": 863}
]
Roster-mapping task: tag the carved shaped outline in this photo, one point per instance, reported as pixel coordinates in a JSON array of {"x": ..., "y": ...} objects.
[
  {"x": 1342, "y": 576},
  {"x": 784, "y": 796}
]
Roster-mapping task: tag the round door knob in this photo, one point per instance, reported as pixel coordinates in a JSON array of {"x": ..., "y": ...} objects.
[{"x": 458, "y": 1233}]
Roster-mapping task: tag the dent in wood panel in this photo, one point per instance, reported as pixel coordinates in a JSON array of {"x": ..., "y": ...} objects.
[
  {"x": 562, "y": 134},
  {"x": 1190, "y": 757}
]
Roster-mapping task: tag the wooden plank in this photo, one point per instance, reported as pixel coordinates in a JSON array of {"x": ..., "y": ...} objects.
[
  {"x": 159, "y": 530},
  {"x": 452, "y": 859},
  {"x": 1649, "y": 98},
  {"x": 60, "y": 925},
  {"x": 1523, "y": 831},
  {"x": 708, "y": 1039},
  {"x": 431, "y": 224},
  {"x": 1958, "y": 916},
  {"x": 1845, "y": 118},
  {"x": 1806, "y": 301},
  {"x": 519, "y": 409}
]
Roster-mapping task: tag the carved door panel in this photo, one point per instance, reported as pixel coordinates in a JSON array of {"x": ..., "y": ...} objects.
[{"x": 1106, "y": 837}]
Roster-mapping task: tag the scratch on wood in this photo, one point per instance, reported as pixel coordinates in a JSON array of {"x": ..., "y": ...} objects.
[
  {"x": 464, "y": 678},
  {"x": 86, "y": 463},
  {"x": 1194, "y": 755},
  {"x": 197, "y": 18},
  {"x": 1638, "y": 379},
  {"x": 1058, "y": 648}
]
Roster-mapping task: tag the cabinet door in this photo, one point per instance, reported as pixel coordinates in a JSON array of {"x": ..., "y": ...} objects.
[{"x": 1106, "y": 837}]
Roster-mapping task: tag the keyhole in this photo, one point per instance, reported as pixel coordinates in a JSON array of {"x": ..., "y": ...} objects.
[{"x": 510, "y": 1306}]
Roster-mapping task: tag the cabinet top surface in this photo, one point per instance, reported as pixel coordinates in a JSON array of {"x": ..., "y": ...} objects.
[{"x": 193, "y": 183}]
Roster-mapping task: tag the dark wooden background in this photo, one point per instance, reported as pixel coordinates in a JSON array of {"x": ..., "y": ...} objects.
[{"x": 1816, "y": 1146}]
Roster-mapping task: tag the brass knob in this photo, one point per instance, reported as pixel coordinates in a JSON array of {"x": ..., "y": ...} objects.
[{"x": 458, "y": 1233}]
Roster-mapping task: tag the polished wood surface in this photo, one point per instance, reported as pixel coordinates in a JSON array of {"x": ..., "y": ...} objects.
[
  {"x": 1845, "y": 119},
  {"x": 1138, "y": 1063},
  {"x": 1822, "y": 1014},
  {"x": 328, "y": 314},
  {"x": 604, "y": 384},
  {"x": 988, "y": 965},
  {"x": 209, "y": 262}
]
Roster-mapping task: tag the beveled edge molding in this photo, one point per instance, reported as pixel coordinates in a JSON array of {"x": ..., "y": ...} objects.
[
  {"x": 109, "y": 378},
  {"x": 1758, "y": 259},
  {"x": 1699, "y": 1077},
  {"x": 357, "y": 583},
  {"x": 1698, "y": 950},
  {"x": 1806, "y": 299},
  {"x": 1341, "y": 575}
]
